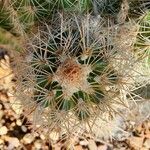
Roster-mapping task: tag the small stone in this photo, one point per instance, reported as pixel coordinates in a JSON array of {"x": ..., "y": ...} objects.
[
  {"x": 23, "y": 128},
  {"x": 1, "y": 106},
  {"x": 84, "y": 143},
  {"x": 2, "y": 121},
  {"x": 1, "y": 141},
  {"x": 13, "y": 143},
  {"x": 38, "y": 145},
  {"x": 78, "y": 147},
  {"x": 1, "y": 146},
  {"x": 102, "y": 147},
  {"x": 92, "y": 145},
  {"x": 136, "y": 142},
  {"x": 54, "y": 136},
  {"x": 28, "y": 138},
  {"x": 18, "y": 122},
  {"x": 3, "y": 97},
  {"x": 1, "y": 114},
  {"x": 143, "y": 148},
  {"x": 42, "y": 137},
  {"x": 147, "y": 143},
  {"x": 13, "y": 124},
  {"x": 16, "y": 106},
  {"x": 3, "y": 130},
  {"x": 12, "y": 118}
]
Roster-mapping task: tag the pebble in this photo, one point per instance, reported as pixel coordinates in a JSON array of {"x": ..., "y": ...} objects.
[
  {"x": 1, "y": 141},
  {"x": 3, "y": 130},
  {"x": 92, "y": 145},
  {"x": 2, "y": 146},
  {"x": 147, "y": 143},
  {"x": 84, "y": 142},
  {"x": 23, "y": 128},
  {"x": 54, "y": 136},
  {"x": 1, "y": 114},
  {"x": 42, "y": 136},
  {"x": 3, "y": 97},
  {"x": 78, "y": 147},
  {"x": 12, "y": 118},
  {"x": 2, "y": 121},
  {"x": 17, "y": 107},
  {"x": 136, "y": 142},
  {"x": 28, "y": 138},
  {"x": 1, "y": 106},
  {"x": 18, "y": 122},
  {"x": 13, "y": 124},
  {"x": 102, "y": 147},
  {"x": 143, "y": 148},
  {"x": 13, "y": 143},
  {"x": 38, "y": 144}
]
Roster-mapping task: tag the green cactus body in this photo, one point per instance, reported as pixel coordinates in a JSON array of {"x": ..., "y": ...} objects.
[
  {"x": 10, "y": 41},
  {"x": 19, "y": 16},
  {"x": 74, "y": 5},
  {"x": 69, "y": 81},
  {"x": 142, "y": 43},
  {"x": 77, "y": 70},
  {"x": 102, "y": 7},
  {"x": 70, "y": 74}
]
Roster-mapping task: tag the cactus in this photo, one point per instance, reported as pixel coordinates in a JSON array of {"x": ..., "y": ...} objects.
[
  {"x": 19, "y": 16},
  {"x": 107, "y": 7},
  {"x": 10, "y": 41},
  {"x": 73, "y": 5},
  {"x": 66, "y": 68},
  {"x": 75, "y": 73},
  {"x": 142, "y": 50},
  {"x": 96, "y": 7}
]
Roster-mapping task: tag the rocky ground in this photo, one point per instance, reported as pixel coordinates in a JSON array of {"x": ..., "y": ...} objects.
[{"x": 16, "y": 132}]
